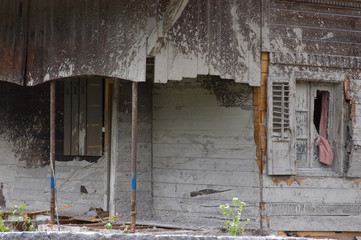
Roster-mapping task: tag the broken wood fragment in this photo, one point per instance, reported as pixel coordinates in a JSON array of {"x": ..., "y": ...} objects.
[
  {"x": 47, "y": 210},
  {"x": 207, "y": 192}
]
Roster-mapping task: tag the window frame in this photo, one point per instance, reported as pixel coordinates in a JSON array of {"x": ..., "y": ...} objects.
[
  {"x": 312, "y": 88},
  {"x": 285, "y": 164}
]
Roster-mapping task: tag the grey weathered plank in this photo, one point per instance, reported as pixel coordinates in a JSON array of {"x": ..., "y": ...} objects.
[
  {"x": 315, "y": 223},
  {"x": 326, "y": 195},
  {"x": 200, "y": 206},
  {"x": 188, "y": 218},
  {"x": 179, "y": 190},
  {"x": 205, "y": 123},
  {"x": 312, "y": 209},
  {"x": 202, "y": 136},
  {"x": 314, "y": 19},
  {"x": 206, "y": 177},
  {"x": 186, "y": 111},
  {"x": 207, "y": 150},
  {"x": 192, "y": 163},
  {"x": 311, "y": 182},
  {"x": 316, "y": 34},
  {"x": 321, "y": 8}
]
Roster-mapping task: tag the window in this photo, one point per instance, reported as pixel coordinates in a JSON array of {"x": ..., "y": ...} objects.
[
  {"x": 83, "y": 117},
  {"x": 314, "y": 118},
  {"x": 305, "y": 122}
]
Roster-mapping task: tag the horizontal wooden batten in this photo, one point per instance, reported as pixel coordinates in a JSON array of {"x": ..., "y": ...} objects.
[
  {"x": 315, "y": 223},
  {"x": 204, "y": 150},
  {"x": 206, "y": 177},
  {"x": 181, "y": 163},
  {"x": 311, "y": 195},
  {"x": 312, "y": 209},
  {"x": 221, "y": 192}
]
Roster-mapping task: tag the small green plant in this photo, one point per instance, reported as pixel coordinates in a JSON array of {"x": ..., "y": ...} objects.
[
  {"x": 21, "y": 223},
  {"x": 28, "y": 224},
  {"x": 232, "y": 217},
  {"x": 108, "y": 226},
  {"x": 17, "y": 210},
  {"x": 3, "y": 228},
  {"x": 112, "y": 220}
]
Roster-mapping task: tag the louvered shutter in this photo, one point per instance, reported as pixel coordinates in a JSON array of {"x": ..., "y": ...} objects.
[{"x": 281, "y": 142}]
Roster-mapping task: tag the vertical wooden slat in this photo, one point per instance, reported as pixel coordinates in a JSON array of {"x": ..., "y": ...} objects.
[
  {"x": 94, "y": 117},
  {"x": 67, "y": 117},
  {"x": 82, "y": 117},
  {"x": 75, "y": 118}
]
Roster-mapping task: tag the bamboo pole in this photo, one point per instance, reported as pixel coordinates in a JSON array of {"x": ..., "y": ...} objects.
[
  {"x": 52, "y": 152},
  {"x": 133, "y": 213}
]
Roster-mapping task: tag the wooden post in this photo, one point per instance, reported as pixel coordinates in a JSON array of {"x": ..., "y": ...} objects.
[
  {"x": 108, "y": 130},
  {"x": 52, "y": 151},
  {"x": 133, "y": 212}
]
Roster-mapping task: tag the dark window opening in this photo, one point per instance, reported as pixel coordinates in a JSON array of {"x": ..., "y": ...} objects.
[
  {"x": 80, "y": 120},
  {"x": 320, "y": 103}
]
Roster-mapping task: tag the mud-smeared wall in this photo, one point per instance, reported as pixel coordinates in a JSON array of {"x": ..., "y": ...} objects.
[
  {"x": 24, "y": 122},
  {"x": 24, "y": 155}
]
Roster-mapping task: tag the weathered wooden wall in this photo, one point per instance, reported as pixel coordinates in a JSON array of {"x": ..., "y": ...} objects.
[
  {"x": 44, "y": 40},
  {"x": 121, "y": 165},
  {"x": 24, "y": 143},
  {"x": 203, "y": 139},
  {"x": 220, "y": 37},
  {"x": 317, "y": 42}
]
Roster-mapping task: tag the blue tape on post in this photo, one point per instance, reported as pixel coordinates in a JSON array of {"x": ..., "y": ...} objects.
[
  {"x": 52, "y": 182},
  {"x": 134, "y": 181}
]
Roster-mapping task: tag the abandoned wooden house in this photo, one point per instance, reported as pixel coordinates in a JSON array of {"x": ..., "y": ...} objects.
[{"x": 187, "y": 104}]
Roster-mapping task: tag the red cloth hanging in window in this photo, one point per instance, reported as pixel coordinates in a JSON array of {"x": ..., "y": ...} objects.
[{"x": 325, "y": 152}]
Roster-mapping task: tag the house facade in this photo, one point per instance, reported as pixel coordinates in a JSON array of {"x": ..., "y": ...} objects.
[{"x": 250, "y": 99}]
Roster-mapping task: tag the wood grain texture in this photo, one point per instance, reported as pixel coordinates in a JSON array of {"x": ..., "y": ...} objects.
[{"x": 199, "y": 144}]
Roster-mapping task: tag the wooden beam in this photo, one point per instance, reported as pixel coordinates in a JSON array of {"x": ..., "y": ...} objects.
[{"x": 47, "y": 210}]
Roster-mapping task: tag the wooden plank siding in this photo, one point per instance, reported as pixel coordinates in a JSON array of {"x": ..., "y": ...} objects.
[
  {"x": 315, "y": 42},
  {"x": 121, "y": 166},
  {"x": 200, "y": 144}
]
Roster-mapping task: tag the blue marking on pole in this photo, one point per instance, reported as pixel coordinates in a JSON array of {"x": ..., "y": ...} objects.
[
  {"x": 52, "y": 184},
  {"x": 134, "y": 181}
]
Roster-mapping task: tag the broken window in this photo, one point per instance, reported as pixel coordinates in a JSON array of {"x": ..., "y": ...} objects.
[
  {"x": 305, "y": 119},
  {"x": 83, "y": 117},
  {"x": 314, "y": 116}
]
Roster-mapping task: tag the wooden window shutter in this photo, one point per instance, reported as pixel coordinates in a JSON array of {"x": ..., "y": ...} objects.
[
  {"x": 83, "y": 117},
  {"x": 94, "y": 117},
  {"x": 281, "y": 143}
]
